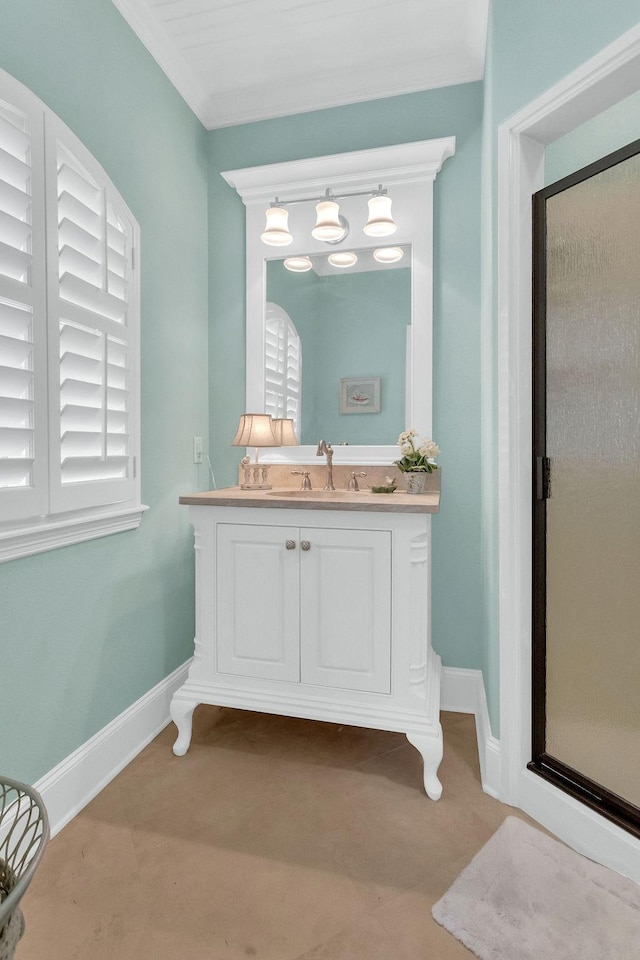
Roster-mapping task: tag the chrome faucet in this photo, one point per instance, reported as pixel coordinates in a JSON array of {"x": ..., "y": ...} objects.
[{"x": 326, "y": 448}]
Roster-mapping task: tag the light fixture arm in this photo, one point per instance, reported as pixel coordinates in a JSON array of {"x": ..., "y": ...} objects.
[{"x": 329, "y": 195}]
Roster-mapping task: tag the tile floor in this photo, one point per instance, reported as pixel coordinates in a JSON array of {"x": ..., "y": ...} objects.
[{"x": 274, "y": 839}]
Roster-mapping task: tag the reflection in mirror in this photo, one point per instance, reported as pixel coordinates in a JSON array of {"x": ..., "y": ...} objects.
[
  {"x": 326, "y": 325},
  {"x": 408, "y": 171}
]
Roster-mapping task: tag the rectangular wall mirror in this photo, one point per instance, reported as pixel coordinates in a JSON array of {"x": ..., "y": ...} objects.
[
  {"x": 337, "y": 345},
  {"x": 346, "y": 352}
]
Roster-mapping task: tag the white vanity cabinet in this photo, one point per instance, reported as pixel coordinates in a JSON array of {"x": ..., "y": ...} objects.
[
  {"x": 317, "y": 613},
  {"x": 305, "y": 604}
]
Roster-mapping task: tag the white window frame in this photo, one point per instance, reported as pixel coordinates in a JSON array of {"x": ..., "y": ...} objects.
[{"x": 44, "y": 515}]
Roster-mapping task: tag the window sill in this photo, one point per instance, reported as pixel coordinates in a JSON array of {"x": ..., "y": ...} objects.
[{"x": 49, "y": 535}]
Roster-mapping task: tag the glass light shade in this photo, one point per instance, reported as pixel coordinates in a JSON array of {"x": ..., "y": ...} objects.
[
  {"x": 255, "y": 430},
  {"x": 328, "y": 224},
  {"x": 284, "y": 432},
  {"x": 388, "y": 254},
  {"x": 380, "y": 222},
  {"x": 298, "y": 264},
  {"x": 342, "y": 259},
  {"x": 276, "y": 231}
]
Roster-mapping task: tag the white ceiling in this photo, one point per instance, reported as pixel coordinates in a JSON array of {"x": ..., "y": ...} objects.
[{"x": 235, "y": 61}]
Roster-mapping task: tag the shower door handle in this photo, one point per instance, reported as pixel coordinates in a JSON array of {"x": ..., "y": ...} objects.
[{"x": 543, "y": 478}]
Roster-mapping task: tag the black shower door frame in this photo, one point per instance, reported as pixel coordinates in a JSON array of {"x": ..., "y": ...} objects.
[{"x": 567, "y": 779}]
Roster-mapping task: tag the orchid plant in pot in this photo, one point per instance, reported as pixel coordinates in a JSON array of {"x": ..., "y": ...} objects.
[{"x": 417, "y": 460}]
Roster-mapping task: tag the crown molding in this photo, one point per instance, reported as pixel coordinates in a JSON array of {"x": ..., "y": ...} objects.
[
  {"x": 398, "y": 163},
  {"x": 166, "y": 54}
]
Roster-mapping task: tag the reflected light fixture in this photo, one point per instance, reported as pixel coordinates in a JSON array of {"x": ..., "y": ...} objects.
[
  {"x": 380, "y": 222},
  {"x": 297, "y": 264},
  {"x": 343, "y": 259},
  {"x": 255, "y": 430},
  {"x": 276, "y": 231},
  {"x": 284, "y": 431},
  {"x": 388, "y": 254}
]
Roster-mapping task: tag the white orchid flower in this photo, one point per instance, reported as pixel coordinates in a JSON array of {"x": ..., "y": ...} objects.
[{"x": 429, "y": 449}]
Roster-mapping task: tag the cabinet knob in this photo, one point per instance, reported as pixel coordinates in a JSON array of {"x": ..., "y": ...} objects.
[
  {"x": 290, "y": 544},
  {"x": 305, "y": 545}
]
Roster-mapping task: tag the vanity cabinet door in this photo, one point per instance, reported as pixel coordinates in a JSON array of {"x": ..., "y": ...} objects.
[
  {"x": 345, "y": 609},
  {"x": 257, "y": 607}
]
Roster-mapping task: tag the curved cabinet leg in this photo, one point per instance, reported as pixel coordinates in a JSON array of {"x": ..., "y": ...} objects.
[
  {"x": 182, "y": 715},
  {"x": 430, "y": 747}
]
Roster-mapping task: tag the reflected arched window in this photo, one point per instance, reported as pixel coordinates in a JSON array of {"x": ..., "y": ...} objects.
[{"x": 283, "y": 366}]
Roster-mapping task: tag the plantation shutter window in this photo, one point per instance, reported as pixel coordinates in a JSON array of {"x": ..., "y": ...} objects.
[
  {"x": 275, "y": 345},
  {"x": 23, "y": 437},
  {"x": 89, "y": 294},
  {"x": 283, "y": 366},
  {"x": 294, "y": 377},
  {"x": 69, "y": 337}
]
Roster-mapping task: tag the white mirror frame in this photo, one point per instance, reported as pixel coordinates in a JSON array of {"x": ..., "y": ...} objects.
[{"x": 408, "y": 171}]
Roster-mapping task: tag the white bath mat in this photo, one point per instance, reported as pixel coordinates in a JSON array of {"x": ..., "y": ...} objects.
[{"x": 525, "y": 896}]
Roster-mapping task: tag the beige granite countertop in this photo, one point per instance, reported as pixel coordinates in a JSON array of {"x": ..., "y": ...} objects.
[{"x": 286, "y": 498}]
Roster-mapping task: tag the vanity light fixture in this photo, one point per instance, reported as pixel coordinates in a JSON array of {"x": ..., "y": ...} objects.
[
  {"x": 380, "y": 222},
  {"x": 343, "y": 259},
  {"x": 388, "y": 254},
  {"x": 276, "y": 231},
  {"x": 297, "y": 264},
  {"x": 330, "y": 225},
  {"x": 255, "y": 430}
]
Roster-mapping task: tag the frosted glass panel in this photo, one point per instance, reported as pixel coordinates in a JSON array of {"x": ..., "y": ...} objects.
[{"x": 593, "y": 515}]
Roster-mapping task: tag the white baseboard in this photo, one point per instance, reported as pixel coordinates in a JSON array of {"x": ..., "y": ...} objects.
[
  {"x": 84, "y": 773},
  {"x": 578, "y": 826},
  {"x": 463, "y": 692}
]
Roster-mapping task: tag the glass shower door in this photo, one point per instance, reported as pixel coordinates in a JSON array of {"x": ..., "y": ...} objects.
[{"x": 587, "y": 499}]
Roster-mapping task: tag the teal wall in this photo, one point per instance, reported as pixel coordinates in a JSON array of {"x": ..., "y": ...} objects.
[
  {"x": 350, "y": 325},
  {"x": 530, "y": 47},
  {"x": 87, "y": 629},
  {"x": 610, "y": 130},
  {"x": 534, "y": 44},
  {"x": 449, "y": 111}
]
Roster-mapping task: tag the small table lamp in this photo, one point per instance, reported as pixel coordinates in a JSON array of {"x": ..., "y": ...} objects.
[
  {"x": 255, "y": 430},
  {"x": 284, "y": 432}
]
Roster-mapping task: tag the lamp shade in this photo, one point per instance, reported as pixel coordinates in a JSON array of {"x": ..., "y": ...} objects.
[
  {"x": 388, "y": 254},
  {"x": 276, "y": 231},
  {"x": 255, "y": 430},
  {"x": 380, "y": 222},
  {"x": 297, "y": 264},
  {"x": 343, "y": 259},
  {"x": 329, "y": 225},
  {"x": 284, "y": 432}
]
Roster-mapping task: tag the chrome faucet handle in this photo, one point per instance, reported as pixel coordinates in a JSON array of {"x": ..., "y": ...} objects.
[
  {"x": 353, "y": 480},
  {"x": 306, "y": 482}
]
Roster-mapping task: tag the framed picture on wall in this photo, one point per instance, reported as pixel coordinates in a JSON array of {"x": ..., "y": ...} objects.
[{"x": 360, "y": 395}]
